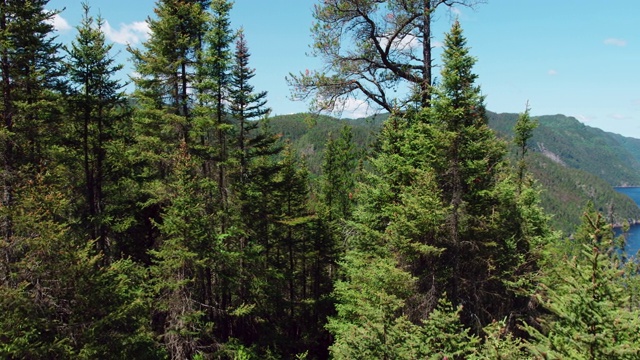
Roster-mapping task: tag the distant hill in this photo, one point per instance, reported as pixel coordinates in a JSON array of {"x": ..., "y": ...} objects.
[
  {"x": 565, "y": 140},
  {"x": 574, "y": 163}
]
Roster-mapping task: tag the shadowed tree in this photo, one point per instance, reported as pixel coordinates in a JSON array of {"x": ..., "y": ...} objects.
[
  {"x": 29, "y": 84},
  {"x": 97, "y": 105}
]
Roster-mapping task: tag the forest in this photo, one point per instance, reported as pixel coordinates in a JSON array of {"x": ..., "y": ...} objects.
[{"x": 173, "y": 222}]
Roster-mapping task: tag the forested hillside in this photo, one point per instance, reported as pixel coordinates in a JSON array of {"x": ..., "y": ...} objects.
[
  {"x": 568, "y": 179},
  {"x": 567, "y": 141},
  {"x": 179, "y": 222}
]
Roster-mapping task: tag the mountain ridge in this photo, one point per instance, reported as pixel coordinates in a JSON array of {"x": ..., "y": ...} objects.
[{"x": 573, "y": 162}]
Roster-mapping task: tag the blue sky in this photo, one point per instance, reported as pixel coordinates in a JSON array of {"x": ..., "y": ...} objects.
[{"x": 580, "y": 58}]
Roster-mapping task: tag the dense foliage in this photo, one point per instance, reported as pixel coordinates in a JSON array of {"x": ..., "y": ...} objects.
[{"x": 175, "y": 222}]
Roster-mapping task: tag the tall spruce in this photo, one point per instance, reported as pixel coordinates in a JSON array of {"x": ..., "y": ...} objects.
[
  {"x": 523, "y": 131},
  {"x": 246, "y": 106},
  {"x": 337, "y": 184},
  {"x": 212, "y": 87},
  {"x": 167, "y": 64},
  {"x": 166, "y": 71},
  {"x": 185, "y": 262},
  {"x": 97, "y": 104},
  {"x": 211, "y": 132},
  {"x": 441, "y": 206},
  {"x": 30, "y": 82},
  {"x": 490, "y": 234}
]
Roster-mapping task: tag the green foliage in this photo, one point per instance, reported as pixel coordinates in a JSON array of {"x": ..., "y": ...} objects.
[
  {"x": 184, "y": 230},
  {"x": 370, "y": 325},
  {"x": 500, "y": 344},
  {"x": 57, "y": 302},
  {"x": 575, "y": 145},
  {"x": 190, "y": 246},
  {"x": 337, "y": 183},
  {"x": 587, "y": 299},
  {"x": 523, "y": 131},
  {"x": 440, "y": 212},
  {"x": 96, "y": 108}
]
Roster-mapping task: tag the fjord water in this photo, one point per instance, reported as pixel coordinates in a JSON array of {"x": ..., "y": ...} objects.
[{"x": 633, "y": 237}]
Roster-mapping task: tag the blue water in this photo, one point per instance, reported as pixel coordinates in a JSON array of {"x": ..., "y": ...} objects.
[{"x": 633, "y": 236}]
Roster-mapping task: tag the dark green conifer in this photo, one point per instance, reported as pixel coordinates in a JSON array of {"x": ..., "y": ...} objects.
[
  {"x": 97, "y": 106},
  {"x": 586, "y": 295}
]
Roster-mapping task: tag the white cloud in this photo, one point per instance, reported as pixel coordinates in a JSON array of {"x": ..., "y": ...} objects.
[
  {"x": 354, "y": 108},
  {"x": 437, "y": 44},
  {"x": 585, "y": 119},
  {"x": 552, "y": 72},
  {"x": 617, "y": 116},
  {"x": 407, "y": 42},
  {"x": 615, "y": 42},
  {"x": 59, "y": 23},
  {"x": 132, "y": 33}
]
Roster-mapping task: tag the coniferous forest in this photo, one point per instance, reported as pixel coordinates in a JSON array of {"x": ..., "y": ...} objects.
[{"x": 172, "y": 222}]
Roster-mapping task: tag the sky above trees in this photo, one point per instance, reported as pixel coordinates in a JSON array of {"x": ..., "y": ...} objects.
[{"x": 577, "y": 58}]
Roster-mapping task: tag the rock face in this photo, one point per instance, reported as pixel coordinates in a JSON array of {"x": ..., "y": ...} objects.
[{"x": 554, "y": 157}]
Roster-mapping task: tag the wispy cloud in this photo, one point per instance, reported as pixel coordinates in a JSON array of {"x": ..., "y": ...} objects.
[
  {"x": 355, "y": 108},
  {"x": 406, "y": 43},
  {"x": 585, "y": 118},
  {"x": 552, "y": 72},
  {"x": 617, "y": 116},
  {"x": 615, "y": 42},
  {"x": 59, "y": 23},
  {"x": 132, "y": 33}
]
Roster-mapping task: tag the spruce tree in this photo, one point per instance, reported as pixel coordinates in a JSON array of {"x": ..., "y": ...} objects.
[
  {"x": 337, "y": 183},
  {"x": 523, "y": 131},
  {"x": 30, "y": 84},
  {"x": 167, "y": 64},
  {"x": 441, "y": 205},
  {"x": 187, "y": 261},
  {"x": 64, "y": 304},
  {"x": 491, "y": 233},
  {"x": 586, "y": 295},
  {"x": 96, "y": 105},
  {"x": 246, "y": 107}
]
